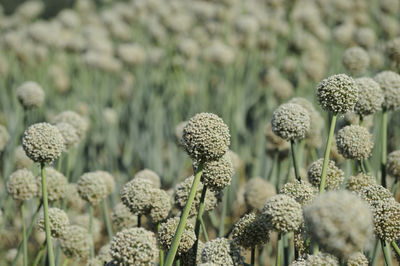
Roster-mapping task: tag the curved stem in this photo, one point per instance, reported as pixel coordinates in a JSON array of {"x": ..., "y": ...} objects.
[
  {"x": 386, "y": 253},
  {"x": 182, "y": 223},
  {"x": 24, "y": 240},
  {"x": 327, "y": 152},
  {"x": 384, "y": 147},
  {"x": 199, "y": 219},
  {"x": 49, "y": 244},
  {"x": 39, "y": 254},
  {"x": 91, "y": 211},
  {"x": 106, "y": 218},
  {"x": 396, "y": 248},
  {"x": 295, "y": 165}
]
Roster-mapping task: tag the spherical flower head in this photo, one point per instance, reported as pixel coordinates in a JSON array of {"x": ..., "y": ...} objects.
[
  {"x": 30, "y": 95},
  {"x": 256, "y": 192},
  {"x": 4, "y": 137},
  {"x": 357, "y": 259},
  {"x": 393, "y": 164},
  {"x": 370, "y": 97},
  {"x": 322, "y": 259},
  {"x": 300, "y": 191},
  {"x": 76, "y": 242},
  {"x": 134, "y": 246},
  {"x": 221, "y": 251},
  {"x": 94, "y": 262},
  {"x": 386, "y": 219},
  {"x": 373, "y": 193},
  {"x": 334, "y": 176},
  {"x": 389, "y": 82},
  {"x": 58, "y": 222},
  {"x": 21, "y": 185},
  {"x": 206, "y": 137},
  {"x": 108, "y": 180},
  {"x": 21, "y": 160},
  {"x": 43, "y": 143},
  {"x": 121, "y": 217},
  {"x": 69, "y": 134},
  {"x": 356, "y": 183},
  {"x": 74, "y": 201},
  {"x": 282, "y": 214},
  {"x": 340, "y": 222},
  {"x": 217, "y": 174},
  {"x": 84, "y": 221},
  {"x": 356, "y": 60},
  {"x": 104, "y": 254},
  {"x": 80, "y": 124},
  {"x": 150, "y": 175},
  {"x": 250, "y": 231},
  {"x": 166, "y": 234},
  {"x": 56, "y": 184},
  {"x": 92, "y": 188},
  {"x": 181, "y": 195},
  {"x": 160, "y": 205},
  {"x": 290, "y": 121},
  {"x": 354, "y": 142},
  {"x": 136, "y": 195},
  {"x": 337, "y": 94}
]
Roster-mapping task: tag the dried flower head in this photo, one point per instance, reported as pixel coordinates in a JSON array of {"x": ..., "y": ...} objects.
[
  {"x": 334, "y": 176},
  {"x": 337, "y": 94},
  {"x": 256, "y": 192},
  {"x": 282, "y": 214},
  {"x": 300, "y": 191},
  {"x": 370, "y": 98},
  {"x": 221, "y": 251},
  {"x": 373, "y": 193},
  {"x": 150, "y": 175},
  {"x": 134, "y": 246},
  {"x": 58, "y": 222},
  {"x": 386, "y": 215},
  {"x": 290, "y": 121},
  {"x": 356, "y": 60},
  {"x": 160, "y": 205},
  {"x": 357, "y": 259},
  {"x": 92, "y": 188},
  {"x": 206, "y": 137},
  {"x": 56, "y": 184},
  {"x": 21, "y": 185},
  {"x": 30, "y": 95},
  {"x": 136, "y": 195},
  {"x": 80, "y": 124},
  {"x": 250, "y": 231},
  {"x": 393, "y": 164},
  {"x": 389, "y": 82},
  {"x": 73, "y": 200},
  {"x": 21, "y": 160},
  {"x": 340, "y": 222},
  {"x": 69, "y": 134},
  {"x": 217, "y": 174},
  {"x": 167, "y": 231},
  {"x": 108, "y": 180},
  {"x": 321, "y": 259},
  {"x": 354, "y": 142},
  {"x": 121, "y": 217},
  {"x": 357, "y": 182},
  {"x": 43, "y": 143},
  {"x": 76, "y": 242}
]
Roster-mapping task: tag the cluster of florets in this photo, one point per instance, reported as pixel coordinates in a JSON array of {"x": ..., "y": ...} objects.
[
  {"x": 221, "y": 251},
  {"x": 354, "y": 142},
  {"x": 167, "y": 231},
  {"x": 256, "y": 192},
  {"x": 370, "y": 98},
  {"x": 250, "y": 231},
  {"x": 217, "y": 174},
  {"x": 58, "y": 222},
  {"x": 334, "y": 176},
  {"x": 21, "y": 185},
  {"x": 76, "y": 242},
  {"x": 92, "y": 188},
  {"x": 56, "y": 184},
  {"x": 389, "y": 82}
]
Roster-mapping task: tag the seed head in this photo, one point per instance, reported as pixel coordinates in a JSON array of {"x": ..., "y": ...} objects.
[
  {"x": 389, "y": 82},
  {"x": 30, "y": 95},
  {"x": 374, "y": 193},
  {"x": 354, "y": 142},
  {"x": 206, "y": 137},
  {"x": 4, "y": 137},
  {"x": 149, "y": 175},
  {"x": 58, "y": 222},
  {"x": 74, "y": 201},
  {"x": 337, "y": 94},
  {"x": 121, "y": 217},
  {"x": 136, "y": 195},
  {"x": 290, "y": 121},
  {"x": 108, "y": 180},
  {"x": 104, "y": 254},
  {"x": 370, "y": 98},
  {"x": 322, "y": 259},
  {"x": 221, "y": 251},
  {"x": 80, "y": 124},
  {"x": 21, "y": 160},
  {"x": 386, "y": 219},
  {"x": 167, "y": 231},
  {"x": 250, "y": 231},
  {"x": 43, "y": 143},
  {"x": 69, "y": 134},
  {"x": 92, "y": 188},
  {"x": 217, "y": 174},
  {"x": 340, "y": 222},
  {"x": 256, "y": 192},
  {"x": 76, "y": 242},
  {"x": 356, "y": 60},
  {"x": 357, "y": 259},
  {"x": 134, "y": 246},
  {"x": 334, "y": 175},
  {"x": 282, "y": 214},
  {"x": 300, "y": 191},
  {"x": 393, "y": 50},
  {"x": 21, "y": 185},
  {"x": 160, "y": 205},
  {"x": 56, "y": 184},
  {"x": 393, "y": 164},
  {"x": 356, "y": 183}
]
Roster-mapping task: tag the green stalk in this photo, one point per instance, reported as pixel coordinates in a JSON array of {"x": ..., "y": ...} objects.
[
  {"x": 91, "y": 214},
  {"x": 271, "y": 171},
  {"x": 198, "y": 219},
  {"x": 278, "y": 250},
  {"x": 362, "y": 165},
  {"x": 384, "y": 147},
  {"x": 49, "y": 244},
  {"x": 394, "y": 188},
  {"x": 376, "y": 254},
  {"x": 327, "y": 152},
  {"x": 386, "y": 253},
  {"x": 396, "y": 248},
  {"x": 295, "y": 165},
  {"x": 204, "y": 229},
  {"x": 182, "y": 223},
  {"x": 24, "y": 239},
  {"x": 161, "y": 254},
  {"x": 106, "y": 219},
  {"x": 66, "y": 261},
  {"x": 39, "y": 254},
  {"x": 223, "y": 215},
  {"x": 253, "y": 256}
]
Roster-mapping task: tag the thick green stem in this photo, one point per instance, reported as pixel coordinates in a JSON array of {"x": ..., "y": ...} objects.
[
  {"x": 223, "y": 215},
  {"x": 327, "y": 152},
  {"x": 39, "y": 254},
  {"x": 198, "y": 219},
  {"x": 295, "y": 165},
  {"x": 182, "y": 223},
  {"x": 253, "y": 256},
  {"x": 91, "y": 214},
  {"x": 161, "y": 253},
  {"x": 384, "y": 147},
  {"x": 50, "y": 253},
  {"x": 396, "y": 248},
  {"x": 278, "y": 250},
  {"x": 24, "y": 239},
  {"x": 106, "y": 218},
  {"x": 386, "y": 253}
]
